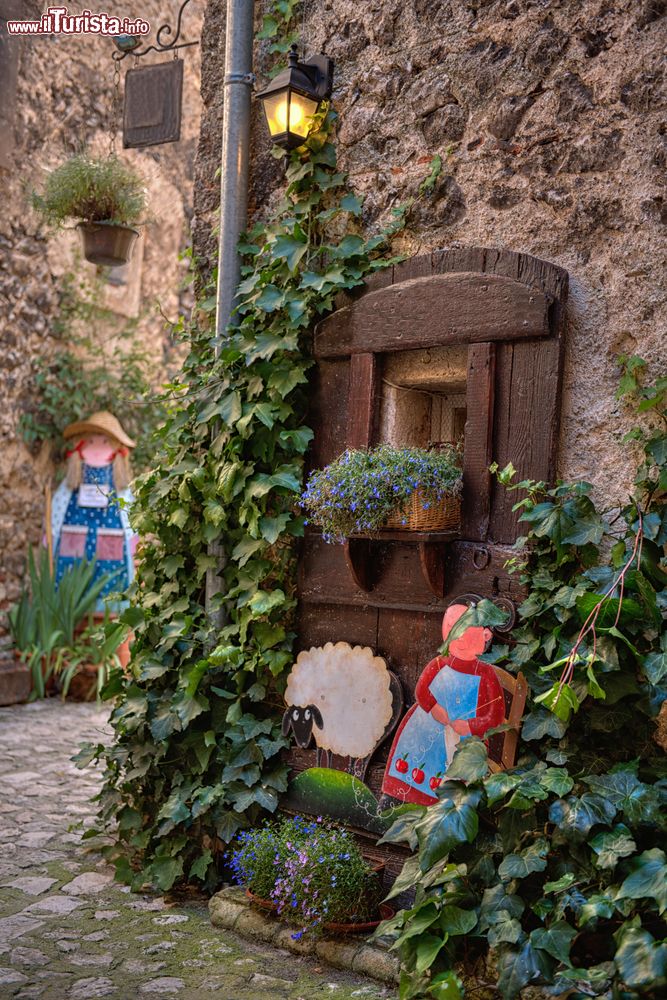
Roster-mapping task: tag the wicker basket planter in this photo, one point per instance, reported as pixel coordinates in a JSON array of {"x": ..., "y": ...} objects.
[{"x": 442, "y": 516}]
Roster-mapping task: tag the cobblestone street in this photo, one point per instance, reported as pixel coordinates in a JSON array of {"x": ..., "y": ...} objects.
[{"x": 68, "y": 931}]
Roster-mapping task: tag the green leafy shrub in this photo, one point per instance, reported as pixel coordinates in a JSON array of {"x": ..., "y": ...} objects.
[
  {"x": 91, "y": 189},
  {"x": 313, "y": 870},
  {"x": 557, "y": 866},
  {"x": 361, "y": 489}
]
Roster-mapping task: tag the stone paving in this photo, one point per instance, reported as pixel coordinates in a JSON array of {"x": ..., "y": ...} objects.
[{"x": 69, "y": 932}]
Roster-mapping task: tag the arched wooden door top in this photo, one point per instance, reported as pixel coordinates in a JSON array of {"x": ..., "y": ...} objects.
[{"x": 462, "y": 295}]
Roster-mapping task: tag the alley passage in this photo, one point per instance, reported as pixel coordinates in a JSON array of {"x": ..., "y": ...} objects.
[{"x": 68, "y": 932}]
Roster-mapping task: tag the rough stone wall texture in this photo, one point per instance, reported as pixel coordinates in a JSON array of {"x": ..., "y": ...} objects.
[
  {"x": 60, "y": 104},
  {"x": 550, "y": 119}
]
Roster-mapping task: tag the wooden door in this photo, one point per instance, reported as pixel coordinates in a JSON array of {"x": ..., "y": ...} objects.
[{"x": 506, "y": 308}]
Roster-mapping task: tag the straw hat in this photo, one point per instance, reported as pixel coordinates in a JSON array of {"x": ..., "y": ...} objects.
[{"x": 100, "y": 423}]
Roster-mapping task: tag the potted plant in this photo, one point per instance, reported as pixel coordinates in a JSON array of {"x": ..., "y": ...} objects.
[
  {"x": 45, "y": 621},
  {"x": 312, "y": 873},
  {"x": 412, "y": 489},
  {"x": 107, "y": 198}
]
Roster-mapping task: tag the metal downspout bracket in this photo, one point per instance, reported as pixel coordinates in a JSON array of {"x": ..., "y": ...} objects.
[{"x": 234, "y": 168}]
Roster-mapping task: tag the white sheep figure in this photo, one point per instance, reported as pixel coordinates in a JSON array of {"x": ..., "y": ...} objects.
[{"x": 344, "y": 698}]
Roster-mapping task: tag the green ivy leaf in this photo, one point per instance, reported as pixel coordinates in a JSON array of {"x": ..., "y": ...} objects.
[
  {"x": 199, "y": 868},
  {"x": 556, "y": 940},
  {"x": 428, "y": 948},
  {"x": 453, "y": 820},
  {"x": 641, "y": 962},
  {"x": 165, "y": 722},
  {"x": 407, "y": 878},
  {"x": 246, "y": 548},
  {"x": 519, "y": 966},
  {"x": 264, "y": 601},
  {"x": 577, "y": 815},
  {"x": 647, "y": 878},
  {"x": 540, "y": 723},
  {"x": 230, "y": 408},
  {"x": 455, "y": 921},
  {"x": 416, "y": 921},
  {"x": 291, "y": 249},
  {"x": 611, "y": 845},
  {"x": 470, "y": 762},
  {"x": 165, "y": 871},
  {"x": 637, "y": 801},
  {"x": 532, "y": 859}
]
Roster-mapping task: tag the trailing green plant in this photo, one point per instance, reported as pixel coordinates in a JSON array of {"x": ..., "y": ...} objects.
[
  {"x": 197, "y": 744},
  {"x": 361, "y": 489},
  {"x": 44, "y": 622},
  {"x": 557, "y": 866},
  {"x": 312, "y": 870},
  {"x": 91, "y": 189},
  {"x": 83, "y": 376}
]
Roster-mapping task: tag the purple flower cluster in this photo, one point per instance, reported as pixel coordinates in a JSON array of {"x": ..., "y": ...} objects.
[
  {"x": 311, "y": 869},
  {"x": 358, "y": 491}
]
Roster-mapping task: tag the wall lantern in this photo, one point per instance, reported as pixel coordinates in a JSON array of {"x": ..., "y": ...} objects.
[{"x": 293, "y": 97}]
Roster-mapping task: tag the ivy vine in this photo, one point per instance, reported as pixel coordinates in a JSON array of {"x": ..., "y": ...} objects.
[{"x": 196, "y": 754}]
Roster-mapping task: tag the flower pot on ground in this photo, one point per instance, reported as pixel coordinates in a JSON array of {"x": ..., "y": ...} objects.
[
  {"x": 104, "y": 196},
  {"x": 411, "y": 489},
  {"x": 52, "y": 627},
  {"x": 312, "y": 873}
]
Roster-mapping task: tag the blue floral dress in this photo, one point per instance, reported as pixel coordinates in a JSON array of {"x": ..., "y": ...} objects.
[{"x": 90, "y": 523}]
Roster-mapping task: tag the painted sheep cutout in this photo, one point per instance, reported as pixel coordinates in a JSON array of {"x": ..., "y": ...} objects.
[{"x": 345, "y": 700}]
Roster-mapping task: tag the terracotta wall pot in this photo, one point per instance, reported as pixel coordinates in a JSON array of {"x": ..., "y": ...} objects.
[
  {"x": 264, "y": 904},
  {"x": 386, "y": 911},
  {"x": 104, "y": 243}
]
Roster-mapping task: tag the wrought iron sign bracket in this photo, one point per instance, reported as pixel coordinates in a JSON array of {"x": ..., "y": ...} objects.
[{"x": 128, "y": 45}]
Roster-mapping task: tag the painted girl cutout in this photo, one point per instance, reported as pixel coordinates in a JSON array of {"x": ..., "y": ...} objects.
[
  {"x": 87, "y": 520},
  {"x": 457, "y": 696}
]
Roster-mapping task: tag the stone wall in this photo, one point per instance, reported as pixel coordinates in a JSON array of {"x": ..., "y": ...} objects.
[
  {"x": 550, "y": 121},
  {"x": 57, "y": 99}
]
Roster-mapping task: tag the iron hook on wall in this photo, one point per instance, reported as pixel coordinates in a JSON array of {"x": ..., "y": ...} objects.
[{"x": 129, "y": 44}]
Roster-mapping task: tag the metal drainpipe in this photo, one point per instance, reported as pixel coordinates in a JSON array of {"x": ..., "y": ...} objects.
[{"x": 233, "y": 204}]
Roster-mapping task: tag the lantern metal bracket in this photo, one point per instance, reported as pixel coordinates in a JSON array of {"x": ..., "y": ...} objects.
[
  {"x": 318, "y": 68},
  {"x": 128, "y": 45}
]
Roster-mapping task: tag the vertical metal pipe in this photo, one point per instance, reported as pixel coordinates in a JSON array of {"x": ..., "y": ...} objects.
[
  {"x": 233, "y": 201},
  {"x": 235, "y": 153}
]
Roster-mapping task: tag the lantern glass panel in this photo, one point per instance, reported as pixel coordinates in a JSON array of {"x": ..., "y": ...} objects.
[
  {"x": 287, "y": 111},
  {"x": 301, "y": 112}
]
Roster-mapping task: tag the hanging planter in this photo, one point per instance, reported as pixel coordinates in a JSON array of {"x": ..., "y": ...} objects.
[
  {"x": 362, "y": 492},
  {"x": 106, "y": 243},
  {"x": 104, "y": 196}
]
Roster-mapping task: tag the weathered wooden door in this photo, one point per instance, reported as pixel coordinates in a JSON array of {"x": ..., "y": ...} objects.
[{"x": 502, "y": 313}]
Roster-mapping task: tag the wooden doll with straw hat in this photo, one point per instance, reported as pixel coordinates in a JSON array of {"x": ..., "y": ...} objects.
[{"x": 87, "y": 520}]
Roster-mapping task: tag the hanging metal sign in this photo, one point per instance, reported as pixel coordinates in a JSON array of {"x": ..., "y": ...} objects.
[
  {"x": 152, "y": 111},
  {"x": 153, "y": 94}
]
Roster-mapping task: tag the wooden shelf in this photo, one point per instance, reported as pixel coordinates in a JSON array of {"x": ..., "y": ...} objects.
[
  {"x": 397, "y": 535},
  {"x": 360, "y": 563}
]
